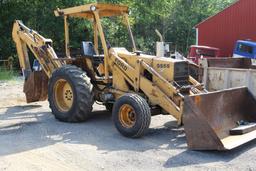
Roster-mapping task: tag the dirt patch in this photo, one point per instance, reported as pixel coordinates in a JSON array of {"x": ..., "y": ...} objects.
[{"x": 31, "y": 139}]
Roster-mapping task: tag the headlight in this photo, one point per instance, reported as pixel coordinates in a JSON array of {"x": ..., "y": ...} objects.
[{"x": 93, "y": 8}]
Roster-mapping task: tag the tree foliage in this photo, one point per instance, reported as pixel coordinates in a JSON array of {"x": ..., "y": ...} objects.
[{"x": 175, "y": 19}]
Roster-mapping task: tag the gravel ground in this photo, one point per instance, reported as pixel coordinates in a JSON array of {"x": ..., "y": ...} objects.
[{"x": 31, "y": 139}]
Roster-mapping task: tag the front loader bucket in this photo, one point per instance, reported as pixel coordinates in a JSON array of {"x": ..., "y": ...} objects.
[
  {"x": 35, "y": 87},
  {"x": 220, "y": 120}
]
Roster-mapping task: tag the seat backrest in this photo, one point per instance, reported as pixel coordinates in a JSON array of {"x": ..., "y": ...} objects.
[{"x": 88, "y": 49}]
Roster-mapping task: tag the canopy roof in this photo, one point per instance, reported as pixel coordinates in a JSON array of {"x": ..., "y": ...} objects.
[{"x": 84, "y": 11}]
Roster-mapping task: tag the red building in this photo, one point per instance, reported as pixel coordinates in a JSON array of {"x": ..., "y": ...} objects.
[{"x": 237, "y": 22}]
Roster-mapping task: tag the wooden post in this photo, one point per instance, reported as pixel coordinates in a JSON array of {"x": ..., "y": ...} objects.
[{"x": 10, "y": 63}]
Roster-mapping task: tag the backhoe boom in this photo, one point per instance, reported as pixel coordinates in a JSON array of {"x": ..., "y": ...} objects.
[{"x": 41, "y": 48}]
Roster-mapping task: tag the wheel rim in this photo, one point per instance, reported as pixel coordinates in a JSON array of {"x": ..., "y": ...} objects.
[
  {"x": 63, "y": 94},
  {"x": 127, "y": 116}
]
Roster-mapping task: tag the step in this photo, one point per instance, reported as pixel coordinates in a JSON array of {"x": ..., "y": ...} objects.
[{"x": 243, "y": 129}]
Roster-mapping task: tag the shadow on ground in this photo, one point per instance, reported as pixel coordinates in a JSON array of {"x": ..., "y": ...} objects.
[
  {"x": 24, "y": 128},
  {"x": 190, "y": 157}
]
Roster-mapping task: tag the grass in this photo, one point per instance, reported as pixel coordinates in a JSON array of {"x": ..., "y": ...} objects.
[{"x": 6, "y": 74}]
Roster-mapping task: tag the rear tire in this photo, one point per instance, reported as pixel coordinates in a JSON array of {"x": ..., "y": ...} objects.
[
  {"x": 70, "y": 94},
  {"x": 131, "y": 115}
]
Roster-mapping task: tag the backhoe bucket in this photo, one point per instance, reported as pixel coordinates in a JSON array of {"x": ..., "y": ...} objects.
[
  {"x": 220, "y": 120},
  {"x": 35, "y": 87}
]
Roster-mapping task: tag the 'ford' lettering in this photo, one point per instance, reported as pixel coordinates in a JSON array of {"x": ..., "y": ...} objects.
[{"x": 121, "y": 64}]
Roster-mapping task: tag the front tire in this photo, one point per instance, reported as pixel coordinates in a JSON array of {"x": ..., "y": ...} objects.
[
  {"x": 70, "y": 94},
  {"x": 131, "y": 115}
]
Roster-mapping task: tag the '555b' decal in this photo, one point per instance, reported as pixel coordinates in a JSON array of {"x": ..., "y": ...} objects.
[{"x": 163, "y": 65}]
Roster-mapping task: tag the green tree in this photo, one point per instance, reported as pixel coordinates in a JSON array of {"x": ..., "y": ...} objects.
[{"x": 174, "y": 18}]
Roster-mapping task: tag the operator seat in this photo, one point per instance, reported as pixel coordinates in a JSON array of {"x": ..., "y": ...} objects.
[
  {"x": 89, "y": 52},
  {"x": 88, "y": 49}
]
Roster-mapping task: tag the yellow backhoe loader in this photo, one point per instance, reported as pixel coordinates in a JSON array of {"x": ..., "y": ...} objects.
[{"x": 132, "y": 85}]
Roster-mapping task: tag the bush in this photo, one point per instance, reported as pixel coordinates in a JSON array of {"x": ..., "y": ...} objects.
[{"x": 6, "y": 74}]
